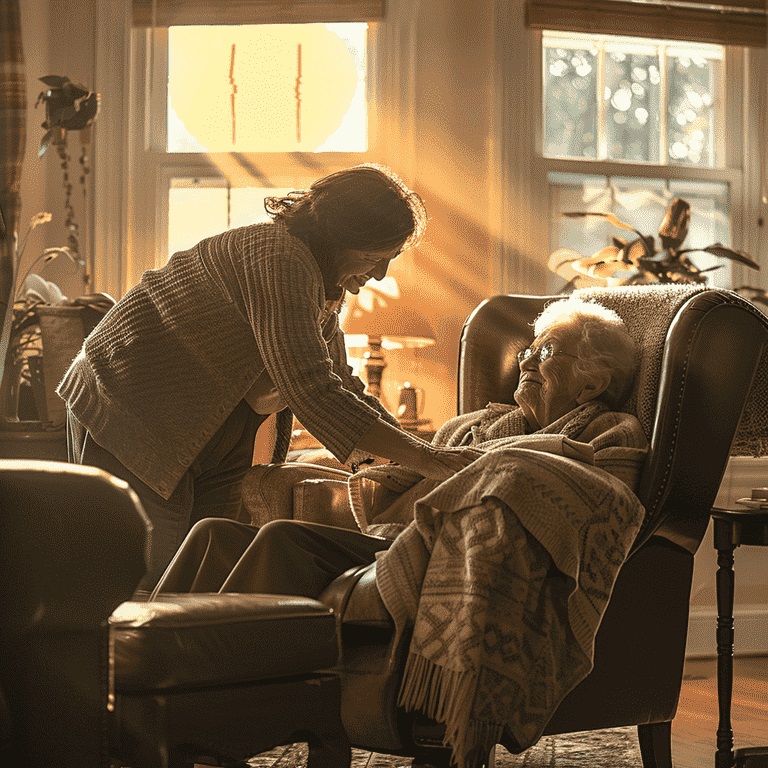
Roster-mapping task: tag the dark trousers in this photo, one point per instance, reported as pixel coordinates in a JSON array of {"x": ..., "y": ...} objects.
[
  {"x": 209, "y": 488},
  {"x": 283, "y": 557}
]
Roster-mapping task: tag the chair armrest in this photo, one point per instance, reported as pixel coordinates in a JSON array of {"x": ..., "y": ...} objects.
[
  {"x": 354, "y": 598},
  {"x": 297, "y": 491}
]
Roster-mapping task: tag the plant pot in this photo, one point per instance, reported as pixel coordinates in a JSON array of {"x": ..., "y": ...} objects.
[
  {"x": 63, "y": 330},
  {"x": 32, "y": 440}
]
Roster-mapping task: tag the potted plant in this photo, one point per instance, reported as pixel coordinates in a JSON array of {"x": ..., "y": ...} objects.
[
  {"x": 47, "y": 329},
  {"x": 638, "y": 261}
]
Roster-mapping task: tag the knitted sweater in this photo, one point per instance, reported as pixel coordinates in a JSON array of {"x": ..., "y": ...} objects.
[{"x": 169, "y": 363}]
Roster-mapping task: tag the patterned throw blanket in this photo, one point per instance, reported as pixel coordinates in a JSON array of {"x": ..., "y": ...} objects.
[{"x": 504, "y": 571}]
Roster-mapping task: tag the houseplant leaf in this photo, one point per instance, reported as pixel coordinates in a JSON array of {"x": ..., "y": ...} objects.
[
  {"x": 609, "y": 217},
  {"x": 45, "y": 142},
  {"x": 718, "y": 249},
  {"x": 55, "y": 81},
  {"x": 759, "y": 295},
  {"x": 603, "y": 264},
  {"x": 674, "y": 227}
]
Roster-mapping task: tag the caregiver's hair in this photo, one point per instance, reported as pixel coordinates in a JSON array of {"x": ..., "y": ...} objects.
[
  {"x": 603, "y": 343},
  {"x": 363, "y": 208}
]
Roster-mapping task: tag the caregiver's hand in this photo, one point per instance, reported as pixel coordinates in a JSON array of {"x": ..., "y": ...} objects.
[
  {"x": 436, "y": 463},
  {"x": 442, "y": 463}
]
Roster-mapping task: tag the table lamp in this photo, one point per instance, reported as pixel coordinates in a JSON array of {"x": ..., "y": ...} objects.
[{"x": 389, "y": 324}]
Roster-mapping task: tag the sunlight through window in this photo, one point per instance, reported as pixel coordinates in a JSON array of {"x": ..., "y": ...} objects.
[
  {"x": 199, "y": 208},
  {"x": 267, "y": 88}
]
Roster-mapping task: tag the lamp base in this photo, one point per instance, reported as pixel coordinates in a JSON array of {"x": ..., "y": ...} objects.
[{"x": 374, "y": 365}]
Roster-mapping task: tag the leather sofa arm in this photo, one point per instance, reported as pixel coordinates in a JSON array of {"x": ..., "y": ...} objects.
[{"x": 297, "y": 491}]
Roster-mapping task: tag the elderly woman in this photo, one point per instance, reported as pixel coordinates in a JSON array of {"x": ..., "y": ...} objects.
[{"x": 502, "y": 571}]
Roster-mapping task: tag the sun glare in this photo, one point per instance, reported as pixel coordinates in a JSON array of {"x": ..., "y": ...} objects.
[{"x": 267, "y": 88}]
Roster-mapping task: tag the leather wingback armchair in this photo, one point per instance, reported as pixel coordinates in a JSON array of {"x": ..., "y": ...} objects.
[
  {"x": 694, "y": 380},
  {"x": 71, "y": 550}
]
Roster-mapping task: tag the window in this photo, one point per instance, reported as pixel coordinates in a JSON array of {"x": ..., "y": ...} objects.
[
  {"x": 268, "y": 108},
  {"x": 267, "y": 88},
  {"x": 199, "y": 208},
  {"x": 627, "y": 125},
  {"x": 633, "y": 100}
]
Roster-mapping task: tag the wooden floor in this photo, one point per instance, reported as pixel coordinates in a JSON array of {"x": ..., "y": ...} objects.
[{"x": 694, "y": 727}]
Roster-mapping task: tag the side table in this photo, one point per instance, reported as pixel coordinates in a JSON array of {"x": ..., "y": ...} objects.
[{"x": 732, "y": 528}]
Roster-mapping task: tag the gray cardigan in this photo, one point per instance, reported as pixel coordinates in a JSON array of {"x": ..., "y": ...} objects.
[{"x": 167, "y": 365}]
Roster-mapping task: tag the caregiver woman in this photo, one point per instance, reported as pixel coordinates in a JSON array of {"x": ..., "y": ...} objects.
[{"x": 170, "y": 388}]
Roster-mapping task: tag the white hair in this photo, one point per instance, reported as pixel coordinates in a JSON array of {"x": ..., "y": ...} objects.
[
  {"x": 572, "y": 309},
  {"x": 604, "y": 344}
]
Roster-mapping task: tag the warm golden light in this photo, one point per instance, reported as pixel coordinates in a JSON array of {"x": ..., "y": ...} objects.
[
  {"x": 267, "y": 88},
  {"x": 200, "y": 208}
]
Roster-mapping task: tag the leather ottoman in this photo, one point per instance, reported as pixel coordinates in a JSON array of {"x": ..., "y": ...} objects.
[{"x": 215, "y": 679}]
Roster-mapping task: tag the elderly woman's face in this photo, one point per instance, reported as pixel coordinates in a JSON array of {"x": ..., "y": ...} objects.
[{"x": 551, "y": 388}]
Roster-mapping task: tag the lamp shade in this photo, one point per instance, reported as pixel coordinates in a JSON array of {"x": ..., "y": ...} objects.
[{"x": 396, "y": 325}]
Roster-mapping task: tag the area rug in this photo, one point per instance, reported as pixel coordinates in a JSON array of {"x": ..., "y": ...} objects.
[{"x": 615, "y": 748}]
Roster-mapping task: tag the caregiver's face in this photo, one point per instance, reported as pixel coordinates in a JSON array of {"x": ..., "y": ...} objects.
[
  {"x": 356, "y": 268},
  {"x": 549, "y": 386}
]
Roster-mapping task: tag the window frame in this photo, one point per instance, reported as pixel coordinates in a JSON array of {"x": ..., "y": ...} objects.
[
  {"x": 152, "y": 167},
  {"x": 730, "y": 172}
]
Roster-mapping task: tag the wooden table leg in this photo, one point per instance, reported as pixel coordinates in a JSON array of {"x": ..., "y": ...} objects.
[{"x": 725, "y": 583}]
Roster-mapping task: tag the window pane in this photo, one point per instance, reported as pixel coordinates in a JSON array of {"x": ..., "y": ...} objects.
[
  {"x": 694, "y": 90},
  {"x": 632, "y": 93},
  {"x": 577, "y": 192},
  {"x": 641, "y": 203},
  {"x": 200, "y": 208},
  {"x": 570, "y": 103},
  {"x": 267, "y": 88},
  {"x": 659, "y": 102},
  {"x": 195, "y": 212},
  {"x": 247, "y": 204}
]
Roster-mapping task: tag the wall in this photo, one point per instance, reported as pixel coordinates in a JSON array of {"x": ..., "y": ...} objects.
[
  {"x": 451, "y": 271},
  {"x": 751, "y": 586},
  {"x": 58, "y": 39}
]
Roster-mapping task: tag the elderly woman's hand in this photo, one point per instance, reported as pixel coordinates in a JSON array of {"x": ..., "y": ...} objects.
[{"x": 443, "y": 463}]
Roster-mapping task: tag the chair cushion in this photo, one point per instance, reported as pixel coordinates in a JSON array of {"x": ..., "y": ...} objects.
[{"x": 200, "y": 640}]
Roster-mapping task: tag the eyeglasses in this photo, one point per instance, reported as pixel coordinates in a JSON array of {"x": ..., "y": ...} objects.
[{"x": 542, "y": 353}]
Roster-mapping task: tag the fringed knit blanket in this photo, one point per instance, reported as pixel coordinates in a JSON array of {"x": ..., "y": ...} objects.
[{"x": 506, "y": 569}]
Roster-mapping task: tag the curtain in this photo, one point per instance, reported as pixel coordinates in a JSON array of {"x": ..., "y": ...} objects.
[
  {"x": 165, "y": 13},
  {"x": 13, "y": 123},
  {"x": 726, "y": 22}
]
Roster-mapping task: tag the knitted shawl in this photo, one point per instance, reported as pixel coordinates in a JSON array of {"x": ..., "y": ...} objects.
[{"x": 649, "y": 329}]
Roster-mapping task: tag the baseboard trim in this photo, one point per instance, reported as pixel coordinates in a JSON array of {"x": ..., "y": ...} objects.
[{"x": 750, "y": 631}]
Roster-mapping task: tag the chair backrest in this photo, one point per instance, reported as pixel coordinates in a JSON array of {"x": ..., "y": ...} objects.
[
  {"x": 72, "y": 548},
  {"x": 72, "y": 545},
  {"x": 700, "y": 352}
]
